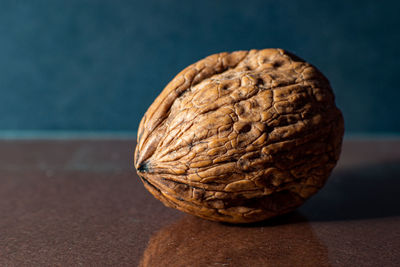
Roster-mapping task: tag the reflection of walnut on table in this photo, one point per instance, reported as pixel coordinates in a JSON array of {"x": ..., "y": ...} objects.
[
  {"x": 287, "y": 241},
  {"x": 240, "y": 137}
]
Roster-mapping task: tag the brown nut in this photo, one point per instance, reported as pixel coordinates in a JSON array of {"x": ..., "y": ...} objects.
[{"x": 240, "y": 137}]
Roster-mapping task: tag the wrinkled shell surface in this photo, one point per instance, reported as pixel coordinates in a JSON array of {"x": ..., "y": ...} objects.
[{"x": 240, "y": 137}]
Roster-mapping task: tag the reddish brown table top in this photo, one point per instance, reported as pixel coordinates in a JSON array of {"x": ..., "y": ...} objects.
[{"x": 68, "y": 203}]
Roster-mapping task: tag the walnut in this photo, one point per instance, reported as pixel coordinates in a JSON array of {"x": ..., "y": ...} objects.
[{"x": 240, "y": 137}]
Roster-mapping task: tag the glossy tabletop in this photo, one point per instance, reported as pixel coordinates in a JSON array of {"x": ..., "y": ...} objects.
[{"x": 80, "y": 203}]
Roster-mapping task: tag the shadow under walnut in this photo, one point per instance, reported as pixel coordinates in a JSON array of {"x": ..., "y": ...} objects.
[{"x": 240, "y": 137}]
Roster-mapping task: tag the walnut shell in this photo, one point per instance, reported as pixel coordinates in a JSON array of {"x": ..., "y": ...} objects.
[{"x": 240, "y": 137}]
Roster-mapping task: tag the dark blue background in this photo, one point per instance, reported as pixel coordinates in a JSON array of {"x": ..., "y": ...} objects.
[{"x": 98, "y": 65}]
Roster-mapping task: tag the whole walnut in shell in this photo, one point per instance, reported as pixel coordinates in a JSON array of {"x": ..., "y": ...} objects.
[{"x": 240, "y": 137}]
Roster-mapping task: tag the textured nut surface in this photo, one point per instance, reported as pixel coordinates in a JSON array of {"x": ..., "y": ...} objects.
[{"x": 240, "y": 137}]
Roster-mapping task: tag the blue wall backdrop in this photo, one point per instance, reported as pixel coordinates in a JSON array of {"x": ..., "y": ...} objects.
[{"x": 97, "y": 65}]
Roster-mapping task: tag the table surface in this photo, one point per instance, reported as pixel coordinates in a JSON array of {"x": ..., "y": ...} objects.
[{"x": 80, "y": 202}]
